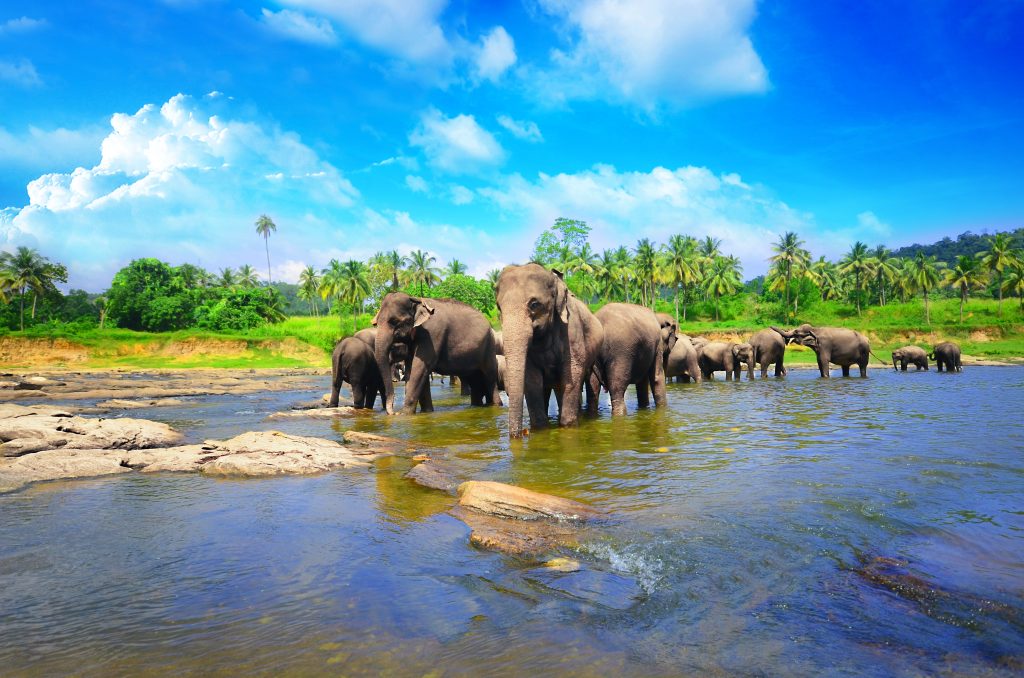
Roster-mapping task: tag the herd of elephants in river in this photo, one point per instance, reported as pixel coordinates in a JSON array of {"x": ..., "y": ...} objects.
[{"x": 551, "y": 343}]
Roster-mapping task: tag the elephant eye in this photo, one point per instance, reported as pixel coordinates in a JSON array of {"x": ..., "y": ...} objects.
[{"x": 534, "y": 305}]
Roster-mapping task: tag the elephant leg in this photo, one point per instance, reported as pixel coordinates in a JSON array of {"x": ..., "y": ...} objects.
[
  {"x": 418, "y": 383},
  {"x": 476, "y": 389},
  {"x": 358, "y": 396},
  {"x": 846, "y": 370},
  {"x": 643, "y": 395},
  {"x": 658, "y": 385},
  {"x": 536, "y": 400},
  {"x": 335, "y": 390},
  {"x": 426, "y": 399},
  {"x": 593, "y": 387},
  {"x": 823, "y": 367},
  {"x": 618, "y": 396}
]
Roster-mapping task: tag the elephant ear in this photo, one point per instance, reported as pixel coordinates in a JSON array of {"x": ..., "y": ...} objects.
[
  {"x": 423, "y": 312},
  {"x": 375, "y": 316},
  {"x": 561, "y": 298}
]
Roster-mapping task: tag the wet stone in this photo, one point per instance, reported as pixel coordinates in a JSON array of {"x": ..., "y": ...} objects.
[{"x": 433, "y": 475}]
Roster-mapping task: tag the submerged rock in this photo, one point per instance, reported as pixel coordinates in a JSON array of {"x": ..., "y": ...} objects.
[
  {"x": 509, "y": 501},
  {"x": 376, "y": 443},
  {"x": 125, "y": 404},
  {"x": 321, "y": 413},
  {"x": 433, "y": 475},
  {"x": 516, "y": 537}
]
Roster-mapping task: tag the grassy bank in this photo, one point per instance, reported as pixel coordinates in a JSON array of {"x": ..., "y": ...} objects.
[{"x": 307, "y": 341}]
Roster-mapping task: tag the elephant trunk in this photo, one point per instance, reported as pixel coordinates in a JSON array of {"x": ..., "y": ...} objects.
[
  {"x": 382, "y": 351},
  {"x": 515, "y": 346},
  {"x": 894, "y": 368}
]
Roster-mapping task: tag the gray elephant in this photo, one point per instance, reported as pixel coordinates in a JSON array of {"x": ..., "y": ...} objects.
[
  {"x": 715, "y": 356},
  {"x": 501, "y": 372},
  {"x": 669, "y": 332},
  {"x": 743, "y": 354},
  {"x": 947, "y": 356},
  {"x": 910, "y": 355},
  {"x": 353, "y": 361},
  {"x": 633, "y": 353},
  {"x": 835, "y": 345},
  {"x": 769, "y": 349},
  {"x": 699, "y": 341},
  {"x": 551, "y": 341},
  {"x": 499, "y": 345},
  {"x": 682, "y": 361},
  {"x": 442, "y": 335}
]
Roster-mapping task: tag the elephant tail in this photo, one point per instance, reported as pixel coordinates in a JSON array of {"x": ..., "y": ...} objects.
[{"x": 877, "y": 358}]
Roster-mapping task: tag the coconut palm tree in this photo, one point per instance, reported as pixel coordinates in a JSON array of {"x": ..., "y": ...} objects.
[
  {"x": 309, "y": 287},
  {"x": 885, "y": 268},
  {"x": 682, "y": 267},
  {"x": 925, "y": 272},
  {"x": 227, "y": 278},
  {"x": 999, "y": 257},
  {"x": 625, "y": 272},
  {"x": 422, "y": 270},
  {"x": 390, "y": 265},
  {"x": 857, "y": 266},
  {"x": 1014, "y": 282},
  {"x": 354, "y": 286},
  {"x": 790, "y": 260},
  {"x": 645, "y": 267},
  {"x": 492, "y": 277},
  {"x": 826, "y": 276},
  {"x": 723, "y": 278},
  {"x": 247, "y": 277},
  {"x": 264, "y": 227},
  {"x": 966, "y": 275},
  {"x": 331, "y": 282},
  {"x": 24, "y": 269},
  {"x": 455, "y": 267}
]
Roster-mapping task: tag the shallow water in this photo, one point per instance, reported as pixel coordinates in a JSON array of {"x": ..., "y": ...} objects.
[{"x": 743, "y": 515}]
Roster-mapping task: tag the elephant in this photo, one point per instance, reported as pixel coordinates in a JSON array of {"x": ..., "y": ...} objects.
[
  {"x": 633, "y": 353},
  {"x": 499, "y": 346},
  {"x": 442, "y": 335},
  {"x": 836, "y": 345},
  {"x": 718, "y": 355},
  {"x": 353, "y": 361},
  {"x": 699, "y": 341},
  {"x": 743, "y": 354},
  {"x": 947, "y": 355},
  {"x": 682, "y": 361},
  {"x": 501, "y": 372},
  {"x": 398, "y": 356},
  {"x": 551, "y": 341},
  {"x": 913, "y": 355},
  {"x": 769, "y": 349},
  {"x": 669, "y": 332}
]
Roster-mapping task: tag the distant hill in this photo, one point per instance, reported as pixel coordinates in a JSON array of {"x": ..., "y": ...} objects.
[{"x": 948, "y": 249}]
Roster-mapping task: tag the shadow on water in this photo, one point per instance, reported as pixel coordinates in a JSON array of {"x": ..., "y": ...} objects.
[{"x": 790, "y": 526}]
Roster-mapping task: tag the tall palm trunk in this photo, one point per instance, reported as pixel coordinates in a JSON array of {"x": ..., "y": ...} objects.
[
  {"x": 266, "y": 244},
  {"x": 927, "y": 317},
  {"x": 963, "y": 298},
  {"x": 22, "y": 315}
]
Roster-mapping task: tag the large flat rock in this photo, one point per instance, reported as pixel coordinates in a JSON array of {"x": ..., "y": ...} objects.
[
  {"x": 25, "y": 430},
  {"x": 509, "y": 501}
]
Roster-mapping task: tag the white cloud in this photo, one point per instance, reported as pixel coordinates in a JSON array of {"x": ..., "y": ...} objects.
[
  {"x": 461, "y": 195},
  {"x": 22, "y": 24},
  {"x": 458, "y": 145},
  {"x": 287, "y": 271},
  {"x": 521, "y": 129},
  {"x": 867, "y": 221},
  {"x": 416, "y": 184},
  {"x": 495, "y": 54},
  {"x": 22, "y": 73},
  {"x": 407, "y": 29},
  {"x": 622, "y": 207},
  {"x": 652, "y": 52},
  {"x": 298, "y": 26},
  {"x": 182, "y": 182},
  {"x": 49, "y": 149}
]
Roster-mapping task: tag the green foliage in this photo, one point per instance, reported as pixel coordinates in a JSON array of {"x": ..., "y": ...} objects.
[
  {"x": 565, "y": 235},
  {"x": 966, "y": 244},
  {"x": 238, "y": 308},
  {"x": 477, "y": 293}
]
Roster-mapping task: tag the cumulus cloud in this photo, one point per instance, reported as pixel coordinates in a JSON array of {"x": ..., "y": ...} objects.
[
  {"x": 494, "y": 55},
  {"x": 21, "y": 72},
  {"x": 458, "y": 145},
  {"x": 183, "y": 181},
  {"x": 622, "y": 207},
  {"x": 416, "y": 184},
  {"x": 22, "y": 24},
  {"x": 461, "y": 195},
  {"x": 652, "y": 52},
  {"x": 298, "y": 26},
  {"x": 521, "y": 129},
  {"x": 41, "y": 149},
  {"x": 407, "y": 29},
  {"x": 869, "y": 222}
]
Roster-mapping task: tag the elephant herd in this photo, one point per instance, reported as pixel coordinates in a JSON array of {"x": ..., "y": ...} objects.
[{"x": 551, "y": 343}]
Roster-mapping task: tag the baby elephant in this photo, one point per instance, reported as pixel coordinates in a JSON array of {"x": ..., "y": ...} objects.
[
  {"x": 947, "y": 355},
  {"x": 353, "y": 361},
  {"x": 910, "y": 355}
]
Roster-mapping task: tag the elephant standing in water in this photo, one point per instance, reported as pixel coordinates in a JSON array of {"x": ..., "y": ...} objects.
[
  {"x": 633, "y": 353},
  {"x": 715, "y": 356},
  {"x": 682, "y": 361},
  {"x": 551, "y": 341},
  {"x": 913, "y": 355},
  {"x": 353, "y": 361},
  {"x": 769, "y": 349},
  {"x": 442, "y": 335},
  {"x": 947, "y": 355},
  {"x": 836, "y": 345}
]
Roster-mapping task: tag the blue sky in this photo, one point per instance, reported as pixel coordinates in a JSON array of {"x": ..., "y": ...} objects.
[{"x": 164, "y": 129}]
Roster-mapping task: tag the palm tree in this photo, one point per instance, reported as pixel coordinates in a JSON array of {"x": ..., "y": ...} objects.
[
  {"x": 885, "y": 268},
  {"x": 390, "y": 265},
  {"x": 309, "y": 287},
  {"x": 422, "y": 270},
  {"x": 790, "y": 260},
  {"x": 264, "y": 227},
  {"x": 924, "y": 272},
  {"x": 492, "y": 277},
  {"x": 102, "y": 305},
  {"x": 965, "y": 276},
  {"x": 1014, "y": 282},
  {"x": 331, "y": 281},
  {"x": 354, "y": 286},
  {"x": 710, "y": 247},
  {"x": 999, "y": 256},
  {"x": 455, "y": 267},
  {"x": 644, "y": 265},
  {"x": 227, "y": 278},
  {"x": 826, "y": 276},
  {"x": 247, "y": 276},
  {"x": 682, "y": 267},
  {"x": 723, "y": 278},
  {"x": 857, "y": 265},
  {"x": 905, "y": 279},
  {"x": 25, "y": 269}
]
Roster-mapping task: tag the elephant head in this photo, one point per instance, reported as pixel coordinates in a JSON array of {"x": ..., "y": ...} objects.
[
  {"x": 396, "y": 322},
  {"x": 797, "y": 334},
  {"x": 533, "y": 305},
  {"x": 669, "y": 332},
  {"x": 743, "y": 352}
]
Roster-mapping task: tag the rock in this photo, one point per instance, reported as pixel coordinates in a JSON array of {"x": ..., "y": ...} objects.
[
  {"x": 56, "y": 465},
  {"x": 8, "y": 385},
  {"x": 121, "y": 403},
  {"x": 433, "y": 475},
  {"x": 563, "y": 565},
  {"x": 377, "y": 443},
  {"x": 321, "y": 413},
  {"x": 516, "y": 537},
  {"x": 39, "y": 382},
  {"x": 20, "y": 446},
  {"x": 593, "y": 586},
  {"x": 509, "y": 501},
  {"x": 58, "y": 429},
  {"x": 274, "y": 453}
]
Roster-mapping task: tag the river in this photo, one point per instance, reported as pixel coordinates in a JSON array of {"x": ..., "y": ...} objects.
[{"x": 780, "y": 527}]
